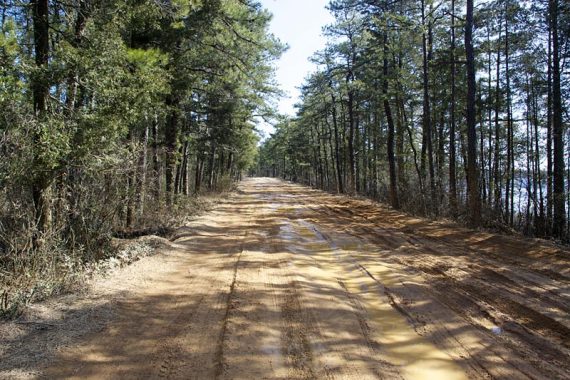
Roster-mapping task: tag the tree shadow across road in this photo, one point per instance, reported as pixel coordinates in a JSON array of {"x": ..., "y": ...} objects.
[{"x": 281, "y": 281}]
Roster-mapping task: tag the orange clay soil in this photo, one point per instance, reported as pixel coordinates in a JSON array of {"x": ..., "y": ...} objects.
[{"x": 284, "y": 282}]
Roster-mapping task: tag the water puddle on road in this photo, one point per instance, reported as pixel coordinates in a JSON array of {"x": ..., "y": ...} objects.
[{"x": 337, "y": 254}]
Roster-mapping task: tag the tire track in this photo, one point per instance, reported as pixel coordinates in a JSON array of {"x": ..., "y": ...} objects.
[
  {"x": 219, "y": 355},
  {"x": 479, "y": 365},
  {"x": 281, "y": 283},
  {"x": 295, "y": 336}
]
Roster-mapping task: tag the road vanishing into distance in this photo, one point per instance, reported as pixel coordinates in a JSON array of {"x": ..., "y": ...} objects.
[{"x": 281, "y": 281}]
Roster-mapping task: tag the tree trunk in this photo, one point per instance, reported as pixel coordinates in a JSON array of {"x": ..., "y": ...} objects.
[
  {"x": 402, "y": 181},
  {"x": 131, "y": 181},
  {"x": 490, "y": 150},
  {"x": 559, "y": 212},
  {"x": 334, "y": 157},
  {"x": 185, "y": 168},
  {"x": 415, "y": 154},
  {"x": 351, "y": 135},
  {"x": 211, "y": 166},
  {"x": 482, "y": 171},
  {"x": 41, "y": 184},
  {"x": 440, "y": 157},
  {"x": 198, "y": 175},
  {"x": 394, "y": 200},
  {"x": 452, "y": 149},
  {"x": 178, "y": 177},
  {"x": 549, "y": 167},
  {"x": 472, "y": 175},
  {"x": 540, "y": 223},
  {"x": 427, "y": 125},
  {"x": 171, "y": 142},
  {"x": 156, "y": 161},
  {"x": 509, "y": 189},
  {"x": 73, "y": 79},
  {"x": 336, "y": 142},
  {"x": 497, "y": 159},
  {"x": 141, "y": 193}
]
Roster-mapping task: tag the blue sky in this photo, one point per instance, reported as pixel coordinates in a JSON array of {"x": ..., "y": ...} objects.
[{"x": 298, "y": 23}]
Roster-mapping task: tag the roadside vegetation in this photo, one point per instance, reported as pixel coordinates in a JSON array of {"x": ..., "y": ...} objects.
[
  {"x": 115, "y": 115},
  {"x": 452, "y": 109}
]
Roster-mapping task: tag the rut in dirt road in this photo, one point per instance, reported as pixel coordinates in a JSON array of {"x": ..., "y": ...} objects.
[{"x": 284, "y": 282}]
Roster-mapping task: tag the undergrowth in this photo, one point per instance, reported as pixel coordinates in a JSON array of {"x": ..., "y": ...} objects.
[{"x": 30, "y": 274}]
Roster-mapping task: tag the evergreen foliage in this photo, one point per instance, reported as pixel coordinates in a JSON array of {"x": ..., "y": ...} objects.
[
  {"x": 113, "y": 111},
  {"x": 442, "y": 108}
]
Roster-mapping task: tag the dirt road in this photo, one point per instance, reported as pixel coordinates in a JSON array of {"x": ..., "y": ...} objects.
[{"x": 285, "y": 282}]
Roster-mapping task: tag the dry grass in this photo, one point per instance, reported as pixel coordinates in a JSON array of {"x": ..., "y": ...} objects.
[{"x": 30, "y": 275}]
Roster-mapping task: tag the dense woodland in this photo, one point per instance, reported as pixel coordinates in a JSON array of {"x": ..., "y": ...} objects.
[
  {"x": 113, "y": 114},
  {"x": 442, "y": 108},
  {"x": 116, "y": 113}
]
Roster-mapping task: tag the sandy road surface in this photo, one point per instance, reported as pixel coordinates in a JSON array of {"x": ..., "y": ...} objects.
[{"x": 285, "y": 282}]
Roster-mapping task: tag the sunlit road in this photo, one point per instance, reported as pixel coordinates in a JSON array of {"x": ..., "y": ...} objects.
[{"x": 284, "y": 282}]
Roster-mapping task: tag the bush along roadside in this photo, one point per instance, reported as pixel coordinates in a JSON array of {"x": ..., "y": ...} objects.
[{"x": 32, "y": 276}]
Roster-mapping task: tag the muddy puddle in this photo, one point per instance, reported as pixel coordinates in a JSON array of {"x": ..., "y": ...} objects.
[{"x": 415, "y": 356}]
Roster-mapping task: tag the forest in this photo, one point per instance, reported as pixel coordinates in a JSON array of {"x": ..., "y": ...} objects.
[
  {"x": 114, "y": 113},
  {"x": 410, "y": 220},
  {"x": 454, "y": 109},
  {"x": 117, "y": 113}
]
